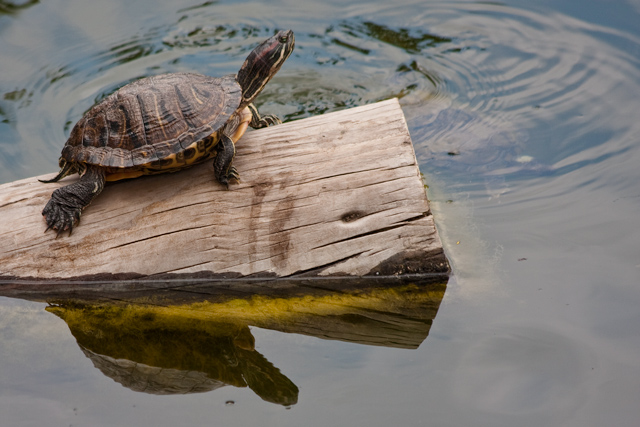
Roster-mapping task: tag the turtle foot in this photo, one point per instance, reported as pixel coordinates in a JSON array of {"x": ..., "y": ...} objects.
[
  {"x": 60, "y": 217},
  {"x": 64, "y": 208}
]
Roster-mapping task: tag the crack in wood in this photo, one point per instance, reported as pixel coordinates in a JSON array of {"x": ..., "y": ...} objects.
[
  {"x": 24, "y": 248},
  {"x": 177, "y": 270},
  {"x": 185, "y": 206},
  {"x": 157, "y": 236},
  {"x": 354, "y": 172},
  {"x": 320, "y": 268},
  {"x": 13, "y": 202},
  {"x": 373, "y": 232}
]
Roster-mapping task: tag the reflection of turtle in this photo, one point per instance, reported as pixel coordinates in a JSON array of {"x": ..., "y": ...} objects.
[
  {"x": 162, "y": 350},
  {"x": 163, "y": 124}
]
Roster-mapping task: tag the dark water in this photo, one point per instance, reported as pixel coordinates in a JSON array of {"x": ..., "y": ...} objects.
[{"x": 526, "y": 121}]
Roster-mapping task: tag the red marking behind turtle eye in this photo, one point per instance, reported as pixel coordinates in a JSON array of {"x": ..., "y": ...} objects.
[
  {"x": 270, "y": 47},
  {"x": 267, "y": 51}
]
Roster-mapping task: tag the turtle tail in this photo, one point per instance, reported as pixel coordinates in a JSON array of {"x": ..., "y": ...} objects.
[{"x": 68, "y": 168}]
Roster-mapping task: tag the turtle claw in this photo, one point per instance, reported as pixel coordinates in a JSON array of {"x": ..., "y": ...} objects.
[
  {"x": 233, "y": 173},
  {"x": 60, "y": 218},
  {"x": 70, "y": 230}
]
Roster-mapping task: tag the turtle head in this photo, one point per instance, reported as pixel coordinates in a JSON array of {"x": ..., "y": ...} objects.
[{"x": 263, "y": 63}]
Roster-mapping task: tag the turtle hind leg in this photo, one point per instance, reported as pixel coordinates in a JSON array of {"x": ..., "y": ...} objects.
[
  {"x": 258, "y": 121},
  {"x": 222, "y": 167},
  {"x": 64, "y": 208}
]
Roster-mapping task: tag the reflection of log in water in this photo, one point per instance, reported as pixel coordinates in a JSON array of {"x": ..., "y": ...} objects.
[
  {"x": 195, "y": 337},
  {"x": 387, "y": 311}
]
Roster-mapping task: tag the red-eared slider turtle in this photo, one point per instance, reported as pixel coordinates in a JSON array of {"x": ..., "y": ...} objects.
[{"x": 163, "y": 124}]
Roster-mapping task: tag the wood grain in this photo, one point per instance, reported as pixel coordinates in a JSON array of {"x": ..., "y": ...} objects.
[{"x": 337, "y": 194}]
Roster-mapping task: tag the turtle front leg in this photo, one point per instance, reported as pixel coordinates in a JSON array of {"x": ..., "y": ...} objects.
[
  {"x": 222, "y": 167},
  {"x": 258, "y": 121},
  {"x": 64, "y": 208}
]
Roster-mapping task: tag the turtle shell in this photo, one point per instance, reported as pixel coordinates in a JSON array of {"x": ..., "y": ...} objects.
[{"x": 152, "y": 119}]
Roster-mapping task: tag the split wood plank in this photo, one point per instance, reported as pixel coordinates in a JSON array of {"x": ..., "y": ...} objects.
[{"x": 337, "y": 194}]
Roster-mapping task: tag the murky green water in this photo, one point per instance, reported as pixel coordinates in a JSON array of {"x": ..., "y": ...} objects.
[{"x": 525, "y": 118}]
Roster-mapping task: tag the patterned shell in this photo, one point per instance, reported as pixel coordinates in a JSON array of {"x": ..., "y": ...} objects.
[{"x": 152, "y": 118}]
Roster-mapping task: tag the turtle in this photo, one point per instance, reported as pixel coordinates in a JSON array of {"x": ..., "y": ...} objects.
[{"x": 163, "y": 123}]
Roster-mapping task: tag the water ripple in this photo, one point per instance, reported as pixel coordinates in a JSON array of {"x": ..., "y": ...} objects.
[{"x": 521, "y": 70}]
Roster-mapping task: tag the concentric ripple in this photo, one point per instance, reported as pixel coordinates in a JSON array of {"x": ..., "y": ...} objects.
[{"x": 477, "y": 78}]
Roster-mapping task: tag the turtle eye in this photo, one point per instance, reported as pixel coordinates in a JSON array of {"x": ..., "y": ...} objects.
[{"x": 283, "y": 39}]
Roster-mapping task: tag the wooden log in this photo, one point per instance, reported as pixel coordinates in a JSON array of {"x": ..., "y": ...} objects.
[{"x": 337, "y": 194}]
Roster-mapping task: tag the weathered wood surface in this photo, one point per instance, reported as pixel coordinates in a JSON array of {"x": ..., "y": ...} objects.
[{"x": 338, "y": 194}]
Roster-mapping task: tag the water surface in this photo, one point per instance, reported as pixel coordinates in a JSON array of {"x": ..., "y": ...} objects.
[{"x": 524, "y": 116}]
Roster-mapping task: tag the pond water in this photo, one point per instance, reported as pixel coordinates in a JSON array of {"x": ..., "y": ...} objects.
[{"x": 525, "y": 116}]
